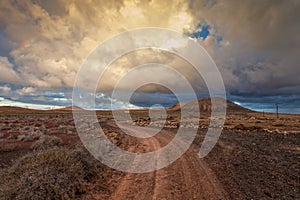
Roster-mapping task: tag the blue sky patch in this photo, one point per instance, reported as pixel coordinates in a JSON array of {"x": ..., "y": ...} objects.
[{"x": 202, "y": 31}]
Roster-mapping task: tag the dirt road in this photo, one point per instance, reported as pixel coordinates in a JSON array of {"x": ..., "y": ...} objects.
[{"x": 187, "y": 178}]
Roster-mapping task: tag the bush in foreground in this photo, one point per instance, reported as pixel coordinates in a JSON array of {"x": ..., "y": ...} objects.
[{"x": 50, "y": 174}]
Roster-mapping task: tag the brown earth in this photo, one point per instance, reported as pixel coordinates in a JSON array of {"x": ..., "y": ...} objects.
[
  {"x": 256, "y": 157},
  {"x": 177, "y": 106}
]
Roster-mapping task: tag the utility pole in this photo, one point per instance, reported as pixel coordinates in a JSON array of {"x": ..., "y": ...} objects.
[{"x": 277, "y": 115}]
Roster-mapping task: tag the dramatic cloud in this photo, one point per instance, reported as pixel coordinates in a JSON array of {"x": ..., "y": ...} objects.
[
  {"x": 256, "y": 45},
  {"x": 50, "y": 46},
  {"x": 8, "y": 74},
  {"x": 260, "y": 43}
]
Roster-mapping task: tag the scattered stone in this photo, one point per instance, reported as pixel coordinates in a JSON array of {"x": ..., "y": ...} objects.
[{"x": 142, "y": 121}]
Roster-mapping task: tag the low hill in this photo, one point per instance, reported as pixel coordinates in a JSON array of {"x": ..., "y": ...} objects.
[
  {"x": 70, "y": 108},
  {"x": 15, "y": 109},
  {"x": 176, "y": 106},
  {"x": 205, "y": 107}
]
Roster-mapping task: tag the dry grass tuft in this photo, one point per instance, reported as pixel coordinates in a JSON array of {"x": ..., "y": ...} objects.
[
  {"x": 46, "y": 142},
  {"x": 49, "y": 174}
]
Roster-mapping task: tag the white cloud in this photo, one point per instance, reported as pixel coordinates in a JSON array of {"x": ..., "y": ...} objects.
[
  {"x": 5, "y": 90},
  {"x": 26, "y": 91},
  {"x": 7, "y": 73},
  {"x": 7, "y": 102}
]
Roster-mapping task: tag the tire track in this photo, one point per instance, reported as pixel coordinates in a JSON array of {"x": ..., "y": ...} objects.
[
  {"x": 132, "y": 185},
  {"x": 187, "y": 178}
]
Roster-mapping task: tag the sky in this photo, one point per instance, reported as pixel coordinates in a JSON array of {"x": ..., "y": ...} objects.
[{"x": 255, "y": 45}]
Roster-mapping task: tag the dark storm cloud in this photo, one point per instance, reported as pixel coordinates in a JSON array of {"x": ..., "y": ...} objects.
[
  {"x": 261, "y": 46},
  {"x": 255, "y": 44}
]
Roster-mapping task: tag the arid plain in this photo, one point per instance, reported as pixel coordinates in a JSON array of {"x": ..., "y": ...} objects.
[{"x": 256, "y": 157}]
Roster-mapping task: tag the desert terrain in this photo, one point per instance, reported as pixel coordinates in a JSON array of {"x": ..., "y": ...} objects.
[{"x": 257, "y": 157}]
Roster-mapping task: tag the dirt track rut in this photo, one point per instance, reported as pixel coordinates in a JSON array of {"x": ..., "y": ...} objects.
[{"x": 187, "y": 178}]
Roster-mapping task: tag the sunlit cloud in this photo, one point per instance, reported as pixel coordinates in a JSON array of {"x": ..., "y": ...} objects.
[{"x": 43, "y": 43}]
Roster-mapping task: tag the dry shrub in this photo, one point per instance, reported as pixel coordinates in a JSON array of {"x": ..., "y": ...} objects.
[
  {"x": 7, "y": 147},
  {"x": 46, "y": 142},
  {"x": 89, "y": 163},
  {"x": 49, "y": 174},
  {"x": 12, "y": 137},
  {"x": 29, "y": 137},
  {"x": 246, "y": 128}
]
